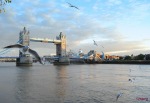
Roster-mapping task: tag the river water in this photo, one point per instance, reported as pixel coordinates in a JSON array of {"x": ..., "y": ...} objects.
[{"x": 87, "y": 83}]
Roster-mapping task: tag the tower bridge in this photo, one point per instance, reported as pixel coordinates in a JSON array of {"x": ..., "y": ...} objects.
[{"x": 25, "y": 58}]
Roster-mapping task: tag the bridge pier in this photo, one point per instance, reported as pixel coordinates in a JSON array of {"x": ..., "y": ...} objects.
[
  {"x": 24, "y": 61},
  {"x": 62, "y": 61}
]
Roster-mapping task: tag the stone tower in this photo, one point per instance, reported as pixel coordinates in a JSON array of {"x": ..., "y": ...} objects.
[
  {"x": 24, "y": 39},
  {"x": 61, "y": 47},
  {"x": 25, "y": 59}
]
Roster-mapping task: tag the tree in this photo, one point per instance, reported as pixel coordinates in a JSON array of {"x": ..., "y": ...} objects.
[
  {"x": 140, "y": 57},
  {"x": 127, "y": 58},
  {"x": 147, "y": 56},
  {"x": 2, "y": 4},
  {"x": 120, "y": 58}
]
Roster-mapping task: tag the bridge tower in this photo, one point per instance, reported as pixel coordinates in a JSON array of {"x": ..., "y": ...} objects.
[
  {"x": 61, "y": 50},
  {"x": 25, "y": 58},
  {"x": 24, "y": 39},
  {"x": 61, "y": 47}
]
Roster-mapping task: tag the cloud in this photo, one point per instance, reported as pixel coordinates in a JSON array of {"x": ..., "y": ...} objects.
[{"x": 101, "y": 22}]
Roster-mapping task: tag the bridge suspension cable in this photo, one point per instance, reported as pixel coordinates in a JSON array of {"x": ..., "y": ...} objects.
[{"x": 6, "y": 50}]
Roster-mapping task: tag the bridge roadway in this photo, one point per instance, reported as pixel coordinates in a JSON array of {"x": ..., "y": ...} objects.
[{"x": 46, "y": 40}]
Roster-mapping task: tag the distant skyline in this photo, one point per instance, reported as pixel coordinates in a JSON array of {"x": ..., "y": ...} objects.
[{"x": 122, "y": 27}]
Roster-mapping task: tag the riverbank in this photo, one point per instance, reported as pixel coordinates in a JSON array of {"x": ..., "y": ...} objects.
[
  {"x": 103, "y": 62},
  {"x": 126, "y": 62}
]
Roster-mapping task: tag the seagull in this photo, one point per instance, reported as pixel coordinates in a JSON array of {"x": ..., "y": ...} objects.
[
  {"x": 102, "y": 46},
  {"x": 73, "y": 6},
  {"x": 25, "y": 49},
  {"x": 130, "y": 80},
  {"x": 119, "y": 95},
  {"x": 95, "y": 43}
]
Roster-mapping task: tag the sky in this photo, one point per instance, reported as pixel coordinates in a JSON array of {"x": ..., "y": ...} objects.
[{"x": 122, "y": 27}]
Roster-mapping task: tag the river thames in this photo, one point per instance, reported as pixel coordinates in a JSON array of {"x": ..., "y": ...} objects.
[{"x": 87, "y": 83}]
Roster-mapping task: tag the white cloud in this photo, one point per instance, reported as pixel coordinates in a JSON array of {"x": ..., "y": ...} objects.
[{"x": 47, "y": 19}]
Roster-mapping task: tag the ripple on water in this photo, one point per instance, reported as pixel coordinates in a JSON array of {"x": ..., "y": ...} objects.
[{"x": 74, "y": 84}]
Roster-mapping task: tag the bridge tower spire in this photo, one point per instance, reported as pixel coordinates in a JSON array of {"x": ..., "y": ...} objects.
[{"x": 24, "y": 37}]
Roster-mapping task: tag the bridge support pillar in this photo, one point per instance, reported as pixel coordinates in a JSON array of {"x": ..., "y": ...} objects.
[
  {"x": 24, "y": 61},
  {"x": 62, "y": 61}
]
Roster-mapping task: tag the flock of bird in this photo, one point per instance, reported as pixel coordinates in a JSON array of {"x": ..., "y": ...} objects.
[
  {"x": 130, "y": 80},
  {"x": 119, "y": 94}
]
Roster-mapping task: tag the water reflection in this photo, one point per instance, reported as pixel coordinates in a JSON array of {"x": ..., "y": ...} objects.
[
  {"x": 35, "y": 85},
  {"x": 61, "y": 82},
  {"x": 23, "y": 84}
]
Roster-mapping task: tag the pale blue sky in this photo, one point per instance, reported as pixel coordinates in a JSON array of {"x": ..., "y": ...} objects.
[{"x": 121, "y": 26}]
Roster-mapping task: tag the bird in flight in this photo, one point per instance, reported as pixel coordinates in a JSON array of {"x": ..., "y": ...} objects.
[
  {"x": 130, "y": 80},
  {"x": 102, "y": 46},
  {"x": 95, "y": 43},
  {"x": 73, "y": 6},
  {"x": 25, "y": 49},
  {"x": 119, "y": 95}
]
